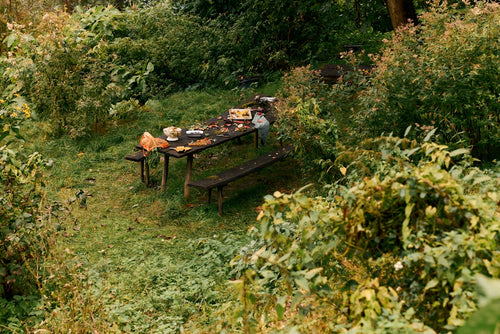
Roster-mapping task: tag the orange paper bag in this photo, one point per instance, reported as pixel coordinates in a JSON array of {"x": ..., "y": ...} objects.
[{"x": 148, "y": 142}]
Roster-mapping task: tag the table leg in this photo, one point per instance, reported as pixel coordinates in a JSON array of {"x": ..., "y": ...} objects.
[
  {"x": 189, "y": 167},
  {"x": 164, "y": 176},
  {"x": 220, "y": 198},
  {"x": 256, "y": 139}
]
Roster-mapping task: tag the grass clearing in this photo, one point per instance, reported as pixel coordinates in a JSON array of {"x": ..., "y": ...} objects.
[{"x": 149, "y": 259}]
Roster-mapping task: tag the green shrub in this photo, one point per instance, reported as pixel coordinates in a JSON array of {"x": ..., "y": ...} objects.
[
  {"x": 304, "y": 123},
  {"x": 393, "y": 252},
  {"x": 126, "y": 110},
  {"x": 78, "y": 72},
  {"x": 39, "y": 283},
  {"x": 20, "y": 196},
  {"x": 61, "y": 71},
  {"x": 74, "y": 85},
  {"x": 442, "y": 74},
  {"x": 184, "y": 50},
  {"x": 267, "y": 36}
]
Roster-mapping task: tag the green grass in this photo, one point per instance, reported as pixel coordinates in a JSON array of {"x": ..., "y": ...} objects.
[{"x": 155, "y": 260}]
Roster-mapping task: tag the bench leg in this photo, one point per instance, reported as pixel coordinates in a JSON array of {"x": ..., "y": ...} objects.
[
  {"x": 164, "y": 176},
  {"x": 146, "y": 167},
  {"x": 209, "y": 195},
  {"x": 219, "y": 199},
  {"x": 142, "y": 170}
]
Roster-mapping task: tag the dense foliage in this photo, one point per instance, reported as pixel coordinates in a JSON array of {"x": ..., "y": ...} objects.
[
  {"x": 23, "y": 232},
  {"x": 396, "y": 251},
  {"x": 442, "y": 74},
  {"x": 305, "y": 120},
  {"x": 75, "y": 68},
  {"x": 29, "y": 222},
  {"x": 397, "y": 243},
  {"x": 182, "y": 50},
  {"x": 19, "y": 200},
  {"x": 267, "y": 35},
  {"x": 393, "y": 238}
]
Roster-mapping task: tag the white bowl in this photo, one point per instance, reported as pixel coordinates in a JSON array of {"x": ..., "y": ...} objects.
[{"x": 173, "y": 133}]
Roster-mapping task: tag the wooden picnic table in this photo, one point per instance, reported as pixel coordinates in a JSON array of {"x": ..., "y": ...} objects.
[{"x": 212, "y": 133}]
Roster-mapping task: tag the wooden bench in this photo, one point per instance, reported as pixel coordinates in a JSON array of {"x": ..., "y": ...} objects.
[
  {"x": 139, "y": 157},
  {"x": 332, "y": 73},
  {"x": 223, "y": 178}
]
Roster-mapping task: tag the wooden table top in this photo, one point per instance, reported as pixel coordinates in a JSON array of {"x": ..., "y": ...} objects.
[{"x": 218, "y": 130}]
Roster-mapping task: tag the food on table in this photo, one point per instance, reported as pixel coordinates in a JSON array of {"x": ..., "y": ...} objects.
[
  {"x": 221, "y": 131},
  {"x": 240, "y": 113},
  {"x": 201, "y": 142},
  {"x": 181, "y": 149},
  {"x": 197, "y": 127},
  {"x": 173, "y": 133}
]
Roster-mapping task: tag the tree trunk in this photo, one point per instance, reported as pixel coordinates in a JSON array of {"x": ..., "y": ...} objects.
[
  {"x": 68, "y": 6},
  {"x": 401, "y": 12}
]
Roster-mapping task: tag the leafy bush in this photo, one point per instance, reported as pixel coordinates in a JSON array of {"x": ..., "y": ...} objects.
[
  {"x": 29, "y": 227},
  {"x": 184, "y": 50},
  {"x": 396, "y": 251},
  {"x": 266, "y": 36},
  {"x": 60, "y": 70},
  {"x": 78, "y": 68},
  {"x": 304, "y": 123},
  {"x": 442, "y": 74},
  {"x": 20, "y": 189},
  {"x": 33, "y": 264},
  {"x": 126, "y": 110}
]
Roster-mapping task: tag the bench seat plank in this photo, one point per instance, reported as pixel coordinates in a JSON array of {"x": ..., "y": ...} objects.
[
  {"x": 229, "y": 175},
  {"x": 223, "y": 178},
  {"x": 139, "y": 157},
  {"x": 136, "y": 156}
]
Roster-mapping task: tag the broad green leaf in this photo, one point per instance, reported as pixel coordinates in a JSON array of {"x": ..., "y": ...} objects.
[
  {"x": 3, "y": 135},
  {"x": 407, "y": 131},
  {"x": 302, "y": 283},
  {"x": 409, "y": 153},
  {"x": 481, "y": 179},
  {"x": 409, "y": 209},
  {"x": 280, "y": 310},
  {"x": 429, "y": 135},
  {"x": 150, "y": 67},
  {"x": 11, "y": 40},
  {"x": 313, "y": 272},
  {"x": 405, "y": 229},
  {"x": 459, "y": 152},
  {"x": 431, "y": 284},
  {"x": 251, "y": 298}
]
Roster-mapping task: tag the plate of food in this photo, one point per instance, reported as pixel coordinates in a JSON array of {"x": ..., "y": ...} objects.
[{"x": 235, "y": 113}]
